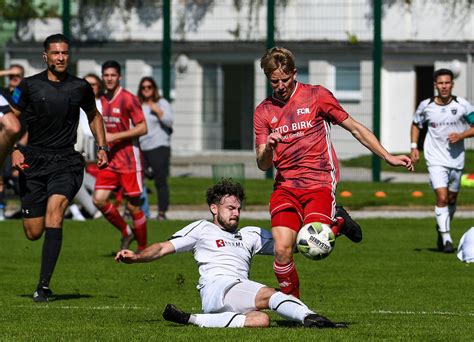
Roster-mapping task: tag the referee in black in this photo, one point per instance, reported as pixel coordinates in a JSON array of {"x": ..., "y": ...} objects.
[{"x": 51, "y": 171}]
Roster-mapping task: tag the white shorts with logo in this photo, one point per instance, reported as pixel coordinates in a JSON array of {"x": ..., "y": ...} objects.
[
  {"x": 225, "y": 294},
  {"x": 445, "y": 177}
]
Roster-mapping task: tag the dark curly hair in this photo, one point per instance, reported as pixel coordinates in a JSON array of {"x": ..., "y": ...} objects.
[
  {"x": 225, "y": 187},
  {"x": 442, "y": 72}
]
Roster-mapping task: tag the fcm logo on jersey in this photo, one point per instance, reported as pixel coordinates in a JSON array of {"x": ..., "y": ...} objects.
[{"x": 302, "y": 111}]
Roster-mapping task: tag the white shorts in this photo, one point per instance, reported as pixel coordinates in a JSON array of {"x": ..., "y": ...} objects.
[
  {"x": 445, "y": 177},
  {"x": 226, "y": 294},
  {"x": 466, "y": 246}
]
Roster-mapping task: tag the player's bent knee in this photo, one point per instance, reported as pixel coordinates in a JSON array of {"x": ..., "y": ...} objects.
[
  {"x": 283, "y": 253},
  {"x": 99, "y": 203},
  {"x": 32, "y": 231},
  {"x": 262, "y": 299},
  {"x": 256, "y": 319}
]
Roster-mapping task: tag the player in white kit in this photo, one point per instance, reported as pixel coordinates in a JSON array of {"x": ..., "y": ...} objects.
[
  {"x": 450, "y": 120},
  {"x": 224, "y": 254}
]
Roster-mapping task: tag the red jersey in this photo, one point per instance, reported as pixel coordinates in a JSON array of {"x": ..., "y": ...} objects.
[
  {"x": 119, "y": 113},
  {"x": 305, "y": 158}
]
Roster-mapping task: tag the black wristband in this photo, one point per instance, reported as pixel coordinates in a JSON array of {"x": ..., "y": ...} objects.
[{"x": 103, "y": 148}]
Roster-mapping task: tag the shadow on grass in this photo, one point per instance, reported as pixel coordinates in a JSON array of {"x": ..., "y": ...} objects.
[
  {"x": 66, "y": 296},
  {"x": 290, "y": 324},
  {"x": 430, "y": 249}
]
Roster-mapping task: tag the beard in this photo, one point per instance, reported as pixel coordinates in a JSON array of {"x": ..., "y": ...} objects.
[{"x": 228, "y": 226}]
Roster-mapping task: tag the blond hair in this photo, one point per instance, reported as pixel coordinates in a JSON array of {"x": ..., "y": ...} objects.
[{"x": 277, "y": 58}]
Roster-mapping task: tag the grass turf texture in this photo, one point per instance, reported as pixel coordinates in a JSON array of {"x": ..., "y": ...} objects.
[
  {"x": 420, "y": 167},
  {"x": 392, "y": 286},
  {"x": 192, "y": 191}
]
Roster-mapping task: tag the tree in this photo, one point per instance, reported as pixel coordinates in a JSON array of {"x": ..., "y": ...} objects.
[{"x": 20, "y": 11}]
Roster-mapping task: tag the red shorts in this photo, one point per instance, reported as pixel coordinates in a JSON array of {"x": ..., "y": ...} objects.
[
  {"x": 293, "y": 208},
  {"x": 131, "y": 183}
]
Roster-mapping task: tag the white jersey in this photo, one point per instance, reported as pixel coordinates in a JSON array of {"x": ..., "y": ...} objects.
[
  {"x": 221, "y": 253},
  {"x": 443, "y": 120},
  {"x": 4, "y": 106},
  {"x": 466, "y": 246}
]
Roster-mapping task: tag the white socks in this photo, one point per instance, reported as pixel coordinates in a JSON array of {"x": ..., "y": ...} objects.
[
  {"x": 76, "y": 213},
  {"x": 443, "y": 221},
  {"x": 218, "y": 320},
  {"x": 289, "y": 307}
]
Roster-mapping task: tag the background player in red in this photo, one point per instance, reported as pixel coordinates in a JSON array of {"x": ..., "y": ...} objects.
[
  {"x": 292, "y": 130},
  {"x": 119, "y": 109}
]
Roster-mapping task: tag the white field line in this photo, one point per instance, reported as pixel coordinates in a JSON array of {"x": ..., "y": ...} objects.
[
  {"x": 133, "y": 307},
  {"x": 69, "y": 307},
  {"x": 100, "y": 307},
  {"x": 419, "y": 313}
]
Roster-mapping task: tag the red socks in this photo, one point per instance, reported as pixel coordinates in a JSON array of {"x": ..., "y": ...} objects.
[
  {"x": 139, "y": 227},
  {"x": 337, "y": 225},
  {"x": 113, "y": 216},
  {"x": 287, "y": 278}
]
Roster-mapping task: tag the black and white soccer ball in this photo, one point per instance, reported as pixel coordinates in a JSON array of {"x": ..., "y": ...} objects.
[{"x": 315, "y": 240}]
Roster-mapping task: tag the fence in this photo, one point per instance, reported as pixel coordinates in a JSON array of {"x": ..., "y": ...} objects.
[{"x": 216, "y": 81}]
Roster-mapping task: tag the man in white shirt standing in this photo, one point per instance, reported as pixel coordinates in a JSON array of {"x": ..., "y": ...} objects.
[
  {"x": 450, "y": 120},
  {"x": 224, "y": 254}
]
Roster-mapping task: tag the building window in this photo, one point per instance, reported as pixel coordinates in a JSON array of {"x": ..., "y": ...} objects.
[
  {"x": 347, "y": 81},
  {"x": 212, "y": 93}
]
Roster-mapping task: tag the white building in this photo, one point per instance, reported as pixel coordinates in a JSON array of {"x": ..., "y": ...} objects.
[{"x": 218, "y": 82}]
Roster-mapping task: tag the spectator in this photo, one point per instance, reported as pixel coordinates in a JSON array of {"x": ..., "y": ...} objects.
[
  {"x": 9, "y": 176},
  {"x": 15, "y": 74},
  {"x": 156, "y": 144}
]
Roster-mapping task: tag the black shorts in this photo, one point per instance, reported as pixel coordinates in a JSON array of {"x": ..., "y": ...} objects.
[{"x": 49, "y": 173}]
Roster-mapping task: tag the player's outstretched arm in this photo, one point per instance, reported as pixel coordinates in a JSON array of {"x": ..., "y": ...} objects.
[
  {"x": 152, "y": 252},
  {"x": 369, "y": 140}
]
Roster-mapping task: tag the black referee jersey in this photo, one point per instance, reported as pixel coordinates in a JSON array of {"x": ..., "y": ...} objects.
[{"x": 51, "y": 109}]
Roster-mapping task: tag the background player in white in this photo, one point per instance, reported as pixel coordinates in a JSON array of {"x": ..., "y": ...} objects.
[
  {"x": 450, "y": 120},
  {"x": 224, "y": 254}
]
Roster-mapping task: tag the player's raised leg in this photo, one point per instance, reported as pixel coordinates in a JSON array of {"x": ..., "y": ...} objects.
[{"x": 346, "y": 225}]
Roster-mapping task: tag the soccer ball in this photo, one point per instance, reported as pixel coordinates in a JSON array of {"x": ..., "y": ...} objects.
[{"x": 315, "y": 240}]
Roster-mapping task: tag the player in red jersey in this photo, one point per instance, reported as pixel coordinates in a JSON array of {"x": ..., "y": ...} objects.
[
  {"x": 119, "y": 109},
  {"x": 292, "y": 130}
]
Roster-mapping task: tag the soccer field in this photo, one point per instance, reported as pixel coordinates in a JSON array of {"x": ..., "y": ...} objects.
[{"x": 392, "y": 286}]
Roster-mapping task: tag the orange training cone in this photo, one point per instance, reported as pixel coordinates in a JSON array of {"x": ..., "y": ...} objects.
[
  {"x": 417, "y": 194},
  {"x": 380, "y": 194},
  {"x": 345, "y": 193}
]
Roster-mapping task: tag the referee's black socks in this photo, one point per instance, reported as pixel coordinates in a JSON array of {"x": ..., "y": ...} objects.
[{"x": 51, "y": 247}]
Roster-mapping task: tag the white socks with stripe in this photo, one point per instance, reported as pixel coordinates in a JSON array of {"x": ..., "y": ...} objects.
[
  {"x": 443, "y": 221},
  {"x": 289, "y": 307}
]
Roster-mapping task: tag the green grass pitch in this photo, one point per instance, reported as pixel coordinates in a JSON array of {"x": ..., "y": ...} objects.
[{"x": 391, "y": 286}]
